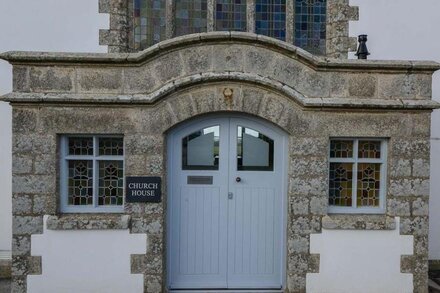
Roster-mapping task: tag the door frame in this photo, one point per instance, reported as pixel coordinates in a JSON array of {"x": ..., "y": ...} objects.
[{"x": 284, "y": 202}]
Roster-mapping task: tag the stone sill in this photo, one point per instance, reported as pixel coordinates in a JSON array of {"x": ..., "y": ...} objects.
[
  {"x": 88, "y": 222},
  {"x": 358, "y": 222}
]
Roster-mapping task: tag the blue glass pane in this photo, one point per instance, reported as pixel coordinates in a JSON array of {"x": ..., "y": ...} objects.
[
  {"x": 270, "y": 18},
  {"x": 230, "y": 15},
  {"x": 191, "y": 16},
  {"x": 310, "y": 25},
  {"x": 148, "y": 23}
]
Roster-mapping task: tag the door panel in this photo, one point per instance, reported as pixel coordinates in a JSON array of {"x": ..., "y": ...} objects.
[{"x": 228, "y": 233}]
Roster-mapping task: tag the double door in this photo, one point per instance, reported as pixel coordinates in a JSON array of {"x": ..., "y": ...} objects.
[{"x": 225, "y": 210}]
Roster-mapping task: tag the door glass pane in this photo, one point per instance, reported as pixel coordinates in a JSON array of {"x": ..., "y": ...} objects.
[
  {"x": 254, "y": 150},
  {"x": 200, "y": 149}
]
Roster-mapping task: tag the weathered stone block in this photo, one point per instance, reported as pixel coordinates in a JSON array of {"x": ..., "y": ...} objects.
[
  {"x": 305, "y": 225},
  {"x": 22, "y": 164},
  {"x": 20, "y": 78},
  {"x": 21, "y": 245},
  {"x": 362, "y": 85},
  {"x": 27, "y": 225},
  {"x": 153, "y": 284},
  {"x": 308, "y": 166},
  {"x": 398, "y": 207},
  {"x": 99, "y": 80},
  {"x": 417, "y": 226},
  {"x": 298, "y": 244},
  {"x": 45, "y": 164},
  {"x": 197, "y": 59},
  {"x": 51, "y": 79},
  {"x": 168, "y": 67},
  {"x": 228, "y": 58},
  {"x": 33, "y": 184},
  {"x": 309, "y": 186},
  {"x": 319, "y": 205},
  {"x": 313, "y": 146},
  {"x": 299, "y": 205},
  {"x": 420, "y": 168},
  {"x": 400, "y": 168},
  {"x": 296, "y": 283},
  {"x": 298, "y": 263},
  {"x": 21, "y": 204},
  {"x": 24, "y": 120},
  {"x": 409, "y": 187},
  {"x": 420, "y": 207}
]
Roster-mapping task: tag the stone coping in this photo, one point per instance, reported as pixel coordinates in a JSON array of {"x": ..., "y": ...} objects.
[
  {"x": 88, "y": 222},
  {"x": 358, "y": 222},
  {"x": 185, "y": 82},
  {"x": 316, "y": 62}
]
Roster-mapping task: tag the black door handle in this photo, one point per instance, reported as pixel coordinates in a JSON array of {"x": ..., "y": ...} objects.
[{"x": 238, "y": 179}]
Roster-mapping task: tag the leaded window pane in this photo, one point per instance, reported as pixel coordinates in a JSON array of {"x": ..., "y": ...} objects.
[
  {"x": 368, "y": 185},
  {"x": 230, "y": 15},
  {"x": 148, "y": 23},
  {"x": 310, "y": 25},
  {"x": 369, "y": 149},
  {"x": 341, "y": 184},
  {"x": 111, "y": 183},
  {"x": 341, "y": 149},
  {"x": 80, "y": 146},
  {"x": 191, "y": 16},
  {"x": 111, "y": 146},
  {"x": 80, "y": 182},
  {"x": 270, "y": 18}
]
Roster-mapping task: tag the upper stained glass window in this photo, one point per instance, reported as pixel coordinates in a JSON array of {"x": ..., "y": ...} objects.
[
  {"x": 270, "y": 18},
  {"x": 230, "y": 15},
  {"x": 191, "y": 16},
  {"x": 148, "y": 23},
  {"x": 310, "y": 25}
]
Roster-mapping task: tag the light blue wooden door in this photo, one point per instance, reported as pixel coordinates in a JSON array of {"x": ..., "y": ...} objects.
[{"x": 225, "y": 215}]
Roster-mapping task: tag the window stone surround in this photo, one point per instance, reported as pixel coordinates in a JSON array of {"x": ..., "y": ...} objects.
[
  {"x": 53, "y": 93},
  {"x": 119, "y": 36}
]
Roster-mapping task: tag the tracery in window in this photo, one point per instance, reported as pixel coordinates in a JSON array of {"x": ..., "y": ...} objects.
[
  {"x": 230, "y": 15},
  {"x": 310, "y": 25},
  {"x": 80, "y": 186},
  {"x": 111, "y": 183},
  {"x": 270, "y": 18},
  {"x": 191, "y": 16},
  {"x": 148, "y": 23}
]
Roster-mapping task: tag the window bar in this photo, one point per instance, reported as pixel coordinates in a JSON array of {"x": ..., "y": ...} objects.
[
  {"x": 210, "y": 16},
  {"x": 250, "y": 6},
  {"x": 170, "y": 10},
  {"x": 95, "y": 172},
  {"x": 355, "y": 174},
  {"x": 290, "y": 21}
]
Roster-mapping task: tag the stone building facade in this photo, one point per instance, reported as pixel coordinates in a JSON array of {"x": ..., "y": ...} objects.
[{"x": 144, "y": 96}]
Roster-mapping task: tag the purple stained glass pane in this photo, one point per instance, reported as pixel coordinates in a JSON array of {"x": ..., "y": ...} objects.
[
  {"x": 191, "y": 16},
  {"x": 230, "y": 15},
  {"x": 148, "y": 23}
]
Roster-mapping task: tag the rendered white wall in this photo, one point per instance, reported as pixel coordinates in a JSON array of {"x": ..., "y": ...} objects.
[
  {"x": 360, "y": 261},
  {"x": 408, "y": 30},
  {"x": 43, "y": 25},
  {"x": 86, "y": 261}
]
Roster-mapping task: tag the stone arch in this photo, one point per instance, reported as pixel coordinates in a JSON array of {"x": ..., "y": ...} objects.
[{"x": 230, "y": 97}]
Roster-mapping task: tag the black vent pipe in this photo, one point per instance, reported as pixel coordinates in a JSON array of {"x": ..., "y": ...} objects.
[{"x": 362, "y": 51}]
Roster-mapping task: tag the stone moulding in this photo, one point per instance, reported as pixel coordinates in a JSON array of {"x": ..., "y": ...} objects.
[
  {"x": 174, "y": 64},
  {"x": 318, "y": 63}
]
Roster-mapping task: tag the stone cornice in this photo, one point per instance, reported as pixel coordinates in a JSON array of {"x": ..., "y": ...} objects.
[{"x": 314, "y": 62}]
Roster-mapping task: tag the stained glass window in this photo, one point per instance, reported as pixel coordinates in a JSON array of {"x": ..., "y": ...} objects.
[
  {"x": 356, "y": 174},
  {"x": 341, "y": 149},
  {"x": 81, "y": 146},
  {"x": 148, "y": 22},
  {"x": 191, "y": 16},
  {"x": 341, "y": 184},
  {"x": 230, "y": 15},
  {"x": 270, "y": 18},
  {"x": 80, "y": 186},
  {"x": 369, "y": 149},
  {"x": 310, "y": 25},
  {"x": 92, "y": 170},
  {"x": 111, "y": 183}
]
